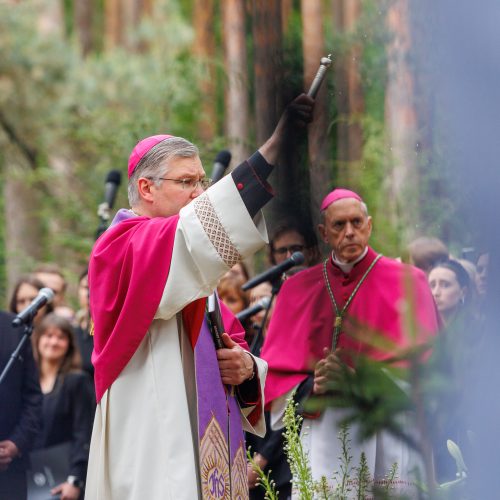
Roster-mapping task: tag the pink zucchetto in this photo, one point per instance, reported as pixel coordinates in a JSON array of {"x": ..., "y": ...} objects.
[
  {"x": 338, "y": 194},
  {"x": 141, "y": 148}
]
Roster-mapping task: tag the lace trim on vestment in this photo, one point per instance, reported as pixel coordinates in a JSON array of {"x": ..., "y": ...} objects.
[{"x": 215, "y": 231}]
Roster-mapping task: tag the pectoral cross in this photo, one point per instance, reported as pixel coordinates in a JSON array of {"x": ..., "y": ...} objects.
[
  {"x": 336, "y": 330},
  {"x": 338, "y": 322}
]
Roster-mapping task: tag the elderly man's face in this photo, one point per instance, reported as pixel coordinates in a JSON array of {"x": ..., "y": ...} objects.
[
  {"x": 346, "y": 229},
  {"x": 171, "y": 195}
]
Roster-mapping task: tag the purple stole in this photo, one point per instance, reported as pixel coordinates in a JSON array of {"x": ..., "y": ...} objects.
[{"x": 222, "y": 454}]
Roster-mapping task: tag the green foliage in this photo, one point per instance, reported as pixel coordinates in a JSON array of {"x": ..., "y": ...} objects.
[
  {"x": 373, "y": 396},
  {"x": 265, "y": 481},
  {"x": 363, "y": 477},
  {"x": 345, "y": 484},
  {"x": 375, "y": 167},
  {"x": 87, "y": 114},
  {"x": 297, "y": 457}
]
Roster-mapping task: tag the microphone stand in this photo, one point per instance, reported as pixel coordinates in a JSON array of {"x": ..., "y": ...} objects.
[
  {"x": 28, "y": 330},
  {"x": 104, "y": 216},
  {"x": 258, "y": 339}
]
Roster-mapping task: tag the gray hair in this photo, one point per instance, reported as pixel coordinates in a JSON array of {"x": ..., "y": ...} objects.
[
  {"x": 364, "y": 207},
  {"x": 155, "y": 163}
]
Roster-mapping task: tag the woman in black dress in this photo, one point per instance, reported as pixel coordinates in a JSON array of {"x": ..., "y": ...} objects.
[
  {"x": 68, "y": 405},
  {"x": 456, "y": 348}
]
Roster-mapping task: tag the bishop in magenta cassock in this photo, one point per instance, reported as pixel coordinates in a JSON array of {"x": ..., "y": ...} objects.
[
  {"x": 307, "y": 334},
  {"x": 171, "y": 409}
]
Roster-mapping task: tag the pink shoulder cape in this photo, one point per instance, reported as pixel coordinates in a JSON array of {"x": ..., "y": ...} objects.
[
  {"x": 127, "y": 275},
  {"x": 128, "y": 269}
]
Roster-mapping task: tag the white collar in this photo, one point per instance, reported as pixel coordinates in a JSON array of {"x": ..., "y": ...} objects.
[{"x": 346, "y": 267}]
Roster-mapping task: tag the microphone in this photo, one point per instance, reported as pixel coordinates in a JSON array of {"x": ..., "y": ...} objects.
[
  {"x": 45, "y": 296},
  {"x": 221, "y": 162},
  {"x": 263, "y": 303},
  {"x": 275, "y": 271},
  {"x": 113, "y": 181}
]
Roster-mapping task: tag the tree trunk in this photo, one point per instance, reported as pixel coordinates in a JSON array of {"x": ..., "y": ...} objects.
[
  {"x": 237, "y": 107},
  {"x": 23, "y": 230},
  {"x": 401, "y": 120},
  {"x": 63, "y": 176},
  {"x": 113, "y": 25},
  {"x": 204, "y": 50},
  {"x": 349, "y": 95},
  {"x": 140, "y": 9},
  {"x": 269, "y": 99},
  {"x": 267, "y": 66},
  {"x": 83, "y": 24},
  {"x": 286, "y": 11},
  {"x": 313, "y": 50}
]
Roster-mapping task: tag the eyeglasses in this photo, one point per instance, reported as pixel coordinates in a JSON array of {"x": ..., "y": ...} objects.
[
  {"x": 190, "y": 184},
  {"x": 291, "y": 249}
]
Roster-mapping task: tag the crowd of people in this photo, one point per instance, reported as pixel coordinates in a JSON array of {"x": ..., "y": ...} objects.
[
  {"x": 62, "y": 347},
  {"x": 57, "y": 394},
  {"x": 149, "y": 275}
]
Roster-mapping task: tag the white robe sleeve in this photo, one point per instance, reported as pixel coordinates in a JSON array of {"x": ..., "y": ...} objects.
[{"x": 215, "y": 231}]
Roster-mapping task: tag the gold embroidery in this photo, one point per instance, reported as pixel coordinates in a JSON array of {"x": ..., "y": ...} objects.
[
  {"x": 213, "y": 463},
  {"x": 239, "y": 479}
]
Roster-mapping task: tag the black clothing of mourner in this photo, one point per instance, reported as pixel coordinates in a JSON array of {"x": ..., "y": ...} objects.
[
  {"x": 21, "y": 401},
  {"x": 271, "y": 447},
  {"x": 67, "y": 415},
  {"x": 459, "y": 345},
  {"x": 85, "y": 343}
]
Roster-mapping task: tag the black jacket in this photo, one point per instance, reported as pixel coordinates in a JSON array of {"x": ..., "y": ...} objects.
[
  {"x": 67, "y": 415},
  {"x": 20, "y": 396}
]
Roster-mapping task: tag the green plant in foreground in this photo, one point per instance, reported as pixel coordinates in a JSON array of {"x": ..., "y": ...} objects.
[
  {"x": 346, "y": 487},
  {"x": 323, "y": 488},
  {"x": 297, "y": 457},
  {"x": 384, "y": 489},
  {"x": 264, "y": 479},
  {"x": 363, "y": 477},
  {"x": 343, "y": 486}
]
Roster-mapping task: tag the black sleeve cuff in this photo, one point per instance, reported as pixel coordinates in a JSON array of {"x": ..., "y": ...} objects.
[
  {"x": 260, "y": 165},
  {"x": 250, "y": 179}
]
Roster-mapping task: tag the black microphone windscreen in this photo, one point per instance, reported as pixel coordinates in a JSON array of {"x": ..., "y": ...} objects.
[
  {"x": 114, "y": 177},
  {"x": 223, "y": 157},
  {"x": 298, "y": 258},
  {"x": 48, "y": 293}
]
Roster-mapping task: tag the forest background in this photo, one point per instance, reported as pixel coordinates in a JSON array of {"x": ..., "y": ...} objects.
[{"x": 81, "y": 81}]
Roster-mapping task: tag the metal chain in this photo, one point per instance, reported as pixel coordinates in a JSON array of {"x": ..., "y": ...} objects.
[{"x": 339, "y": 316}]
